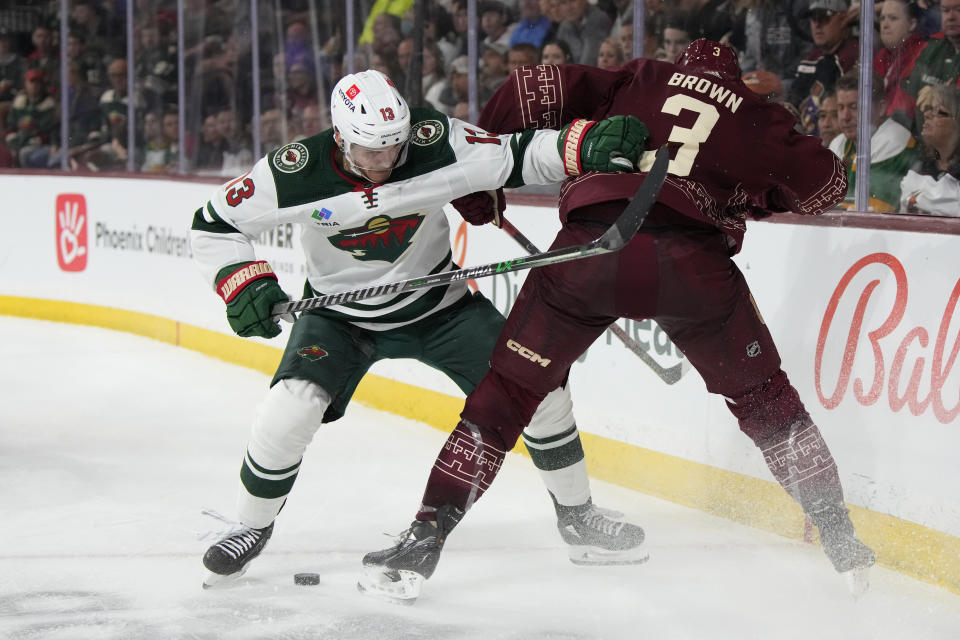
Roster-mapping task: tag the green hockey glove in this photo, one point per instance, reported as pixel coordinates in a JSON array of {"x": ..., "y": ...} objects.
[
  {"x": 612, "y": 144},
  {"x": 250, "y": 290}
]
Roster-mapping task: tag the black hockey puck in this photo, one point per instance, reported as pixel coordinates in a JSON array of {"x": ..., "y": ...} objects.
[{"x": 306, "y": 578}]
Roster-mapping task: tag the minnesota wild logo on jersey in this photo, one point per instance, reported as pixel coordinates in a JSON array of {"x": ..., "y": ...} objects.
[
  {"x": 381, "y": 238},
  {"x": 291, "y": 158}
]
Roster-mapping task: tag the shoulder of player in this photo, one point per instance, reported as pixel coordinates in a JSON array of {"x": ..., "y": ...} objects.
[
  {"x": 304, "y": 170},
  {"x": 430, "y": 146}
]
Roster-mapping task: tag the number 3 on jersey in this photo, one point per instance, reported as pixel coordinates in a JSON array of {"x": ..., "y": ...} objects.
[
  {"x": 237, "y": 193},
  {"x": 689, "y": 137}
]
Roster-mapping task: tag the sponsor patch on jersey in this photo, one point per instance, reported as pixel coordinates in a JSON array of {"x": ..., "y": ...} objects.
[
  {"x": 291, "y": 158},
  {"x": 427, "y": 132},
  {"x": 312, "y": 353}
]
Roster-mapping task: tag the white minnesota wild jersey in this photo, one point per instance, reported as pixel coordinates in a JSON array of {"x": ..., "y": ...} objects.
[{"x": 356, "y": 234}]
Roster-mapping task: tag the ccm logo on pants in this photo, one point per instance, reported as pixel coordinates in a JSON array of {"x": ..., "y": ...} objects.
[{"x": 526, "y": 353}]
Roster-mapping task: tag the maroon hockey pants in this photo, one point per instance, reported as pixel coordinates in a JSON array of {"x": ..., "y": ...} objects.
[{"x": 674, "y": 271}]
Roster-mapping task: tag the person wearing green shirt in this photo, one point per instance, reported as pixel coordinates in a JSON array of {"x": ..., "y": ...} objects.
[{"x": 892, "y": 147}]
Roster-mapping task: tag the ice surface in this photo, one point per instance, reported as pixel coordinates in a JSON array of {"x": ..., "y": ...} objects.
[{"x": 111, "y": 445}]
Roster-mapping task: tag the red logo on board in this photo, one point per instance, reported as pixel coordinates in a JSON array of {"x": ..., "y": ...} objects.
[{"x": 71, "y": 213}]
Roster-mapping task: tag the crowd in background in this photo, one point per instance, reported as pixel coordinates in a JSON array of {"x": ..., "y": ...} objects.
[{"x": 801, "y": 53}]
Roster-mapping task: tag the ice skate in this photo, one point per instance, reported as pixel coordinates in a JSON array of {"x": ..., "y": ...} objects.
[
  {"x": 228, "y": 559},
  {"x": 851, "y": 558},
  {"x": 396, "y": 574},
  {"x": 599, "y": 536}
]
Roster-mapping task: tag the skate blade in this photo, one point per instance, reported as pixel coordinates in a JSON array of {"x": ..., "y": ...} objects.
[
  {"x": 858, "y": 581},
  {"x": 585, "y": 555},
  {"x": 218, "y": 581},
  {"x": 397, "y": 587}
]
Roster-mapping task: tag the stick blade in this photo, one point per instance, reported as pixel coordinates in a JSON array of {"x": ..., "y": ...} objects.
[{"x": 636, "y": 212}]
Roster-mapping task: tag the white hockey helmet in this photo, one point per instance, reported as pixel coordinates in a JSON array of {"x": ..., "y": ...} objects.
[{"x": 367, "y": 110}]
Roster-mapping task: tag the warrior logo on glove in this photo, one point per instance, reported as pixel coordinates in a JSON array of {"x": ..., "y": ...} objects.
[{"x": 613, "y": 144}]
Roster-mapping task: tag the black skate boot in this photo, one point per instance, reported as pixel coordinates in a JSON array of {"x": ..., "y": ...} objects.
[
  {"x": 599, "y": 536},
  {"x": 227, "y": 560},
  {"x": 851, "y": 558},
  {"x": 396, "y": 574}
]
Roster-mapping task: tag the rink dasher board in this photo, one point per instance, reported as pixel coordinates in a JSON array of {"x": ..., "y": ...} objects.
[{"x": 844, "y": 305}]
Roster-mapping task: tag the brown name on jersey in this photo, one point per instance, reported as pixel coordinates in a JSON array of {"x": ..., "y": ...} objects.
[{"x": 720, "y": 94}]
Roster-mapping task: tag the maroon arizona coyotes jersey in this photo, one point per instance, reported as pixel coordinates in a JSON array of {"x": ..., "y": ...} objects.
[{"x": 730, "y": 148}]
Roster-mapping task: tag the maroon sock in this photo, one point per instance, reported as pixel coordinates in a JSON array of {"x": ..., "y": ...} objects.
[{"x": 464, "y": 469}]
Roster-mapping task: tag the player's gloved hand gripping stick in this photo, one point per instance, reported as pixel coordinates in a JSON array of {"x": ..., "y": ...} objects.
[{"x": 613, "y": 239}]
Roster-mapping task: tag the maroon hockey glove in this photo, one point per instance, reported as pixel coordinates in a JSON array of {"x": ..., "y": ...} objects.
[{"x": 481, "y": 207}]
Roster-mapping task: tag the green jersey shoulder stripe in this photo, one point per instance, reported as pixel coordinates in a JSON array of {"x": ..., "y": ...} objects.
[{"x": 212, "y": 223}]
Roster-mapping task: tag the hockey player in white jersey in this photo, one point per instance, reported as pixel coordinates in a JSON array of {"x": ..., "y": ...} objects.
[{"x": 368, "y": 195}]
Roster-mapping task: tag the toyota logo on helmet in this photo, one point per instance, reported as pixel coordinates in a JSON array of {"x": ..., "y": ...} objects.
[{"x": 367, "y": 110}]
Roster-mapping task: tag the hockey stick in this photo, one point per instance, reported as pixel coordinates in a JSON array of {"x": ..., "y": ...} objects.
[
  {"x": 669, "y": 375},
  {"x": 613, "y": 239}
]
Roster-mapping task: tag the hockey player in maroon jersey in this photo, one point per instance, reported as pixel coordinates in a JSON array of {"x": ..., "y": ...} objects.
[{"x": 733, "y": 153}]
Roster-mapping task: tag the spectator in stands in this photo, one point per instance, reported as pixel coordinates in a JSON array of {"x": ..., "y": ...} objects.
[
  {"x": 44, "y": 56},
  {"x": 171, "y": 130},
  {"x": 112, "y": 152},
  {"x": 454, "y": 44},
  {"x": 892, "y": 147},
  {"x": 156, "y": 68},
  {"x": 438, "y": 28},
  {"x": 828, "y": 124},
  {"x": 521, "y": 55},
  {"x": 901, "y": 47},
  {"x": 495, "y": 23},
  {"x": 32, "y": 123},
  {"x": 457, "y": 90},
  {"x": 720, "y": 21},
  {"x": 376, "y": 20},
  {"x": 433, "y": 70},
  {"x": 87, "y": 21},
  {"x": 83, "y": 113},
  {"x": 556, "y": 52},
  {"x": 534, "y": 27},
  {"x": 623, "y": 14},
  {"x": 404, "y": 55},
  {"x": 610, "y": 55},
  {"x": 238, "y": 147},
  {"x": 584, "y": 27},
  {"x": 11, "y": 76},
  {"x": 939, "y": 62},
  {"x": 213, "y": 83},
  {"x": 653, "y": 33},
  {"x": 835, "y": 51},
  {"x": 157, "y": 154},
  {"x": 933, "y": 184},
  {"x": 90, "y": 63},
  {"x": 553, "y": 10},
  {"x": 494, "y": 70},
  {"x": 677, "y": 34},
  {"x": 386, "y": 36},
  {"x": 313, "y": 120},
  {"x": 301, "y": 89},
  {"x": 297, "y": 48},
  {"x": 271, "y": 130},
  {"x": 775, "y": 37},
  {"x": 210, "y": 150}
]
